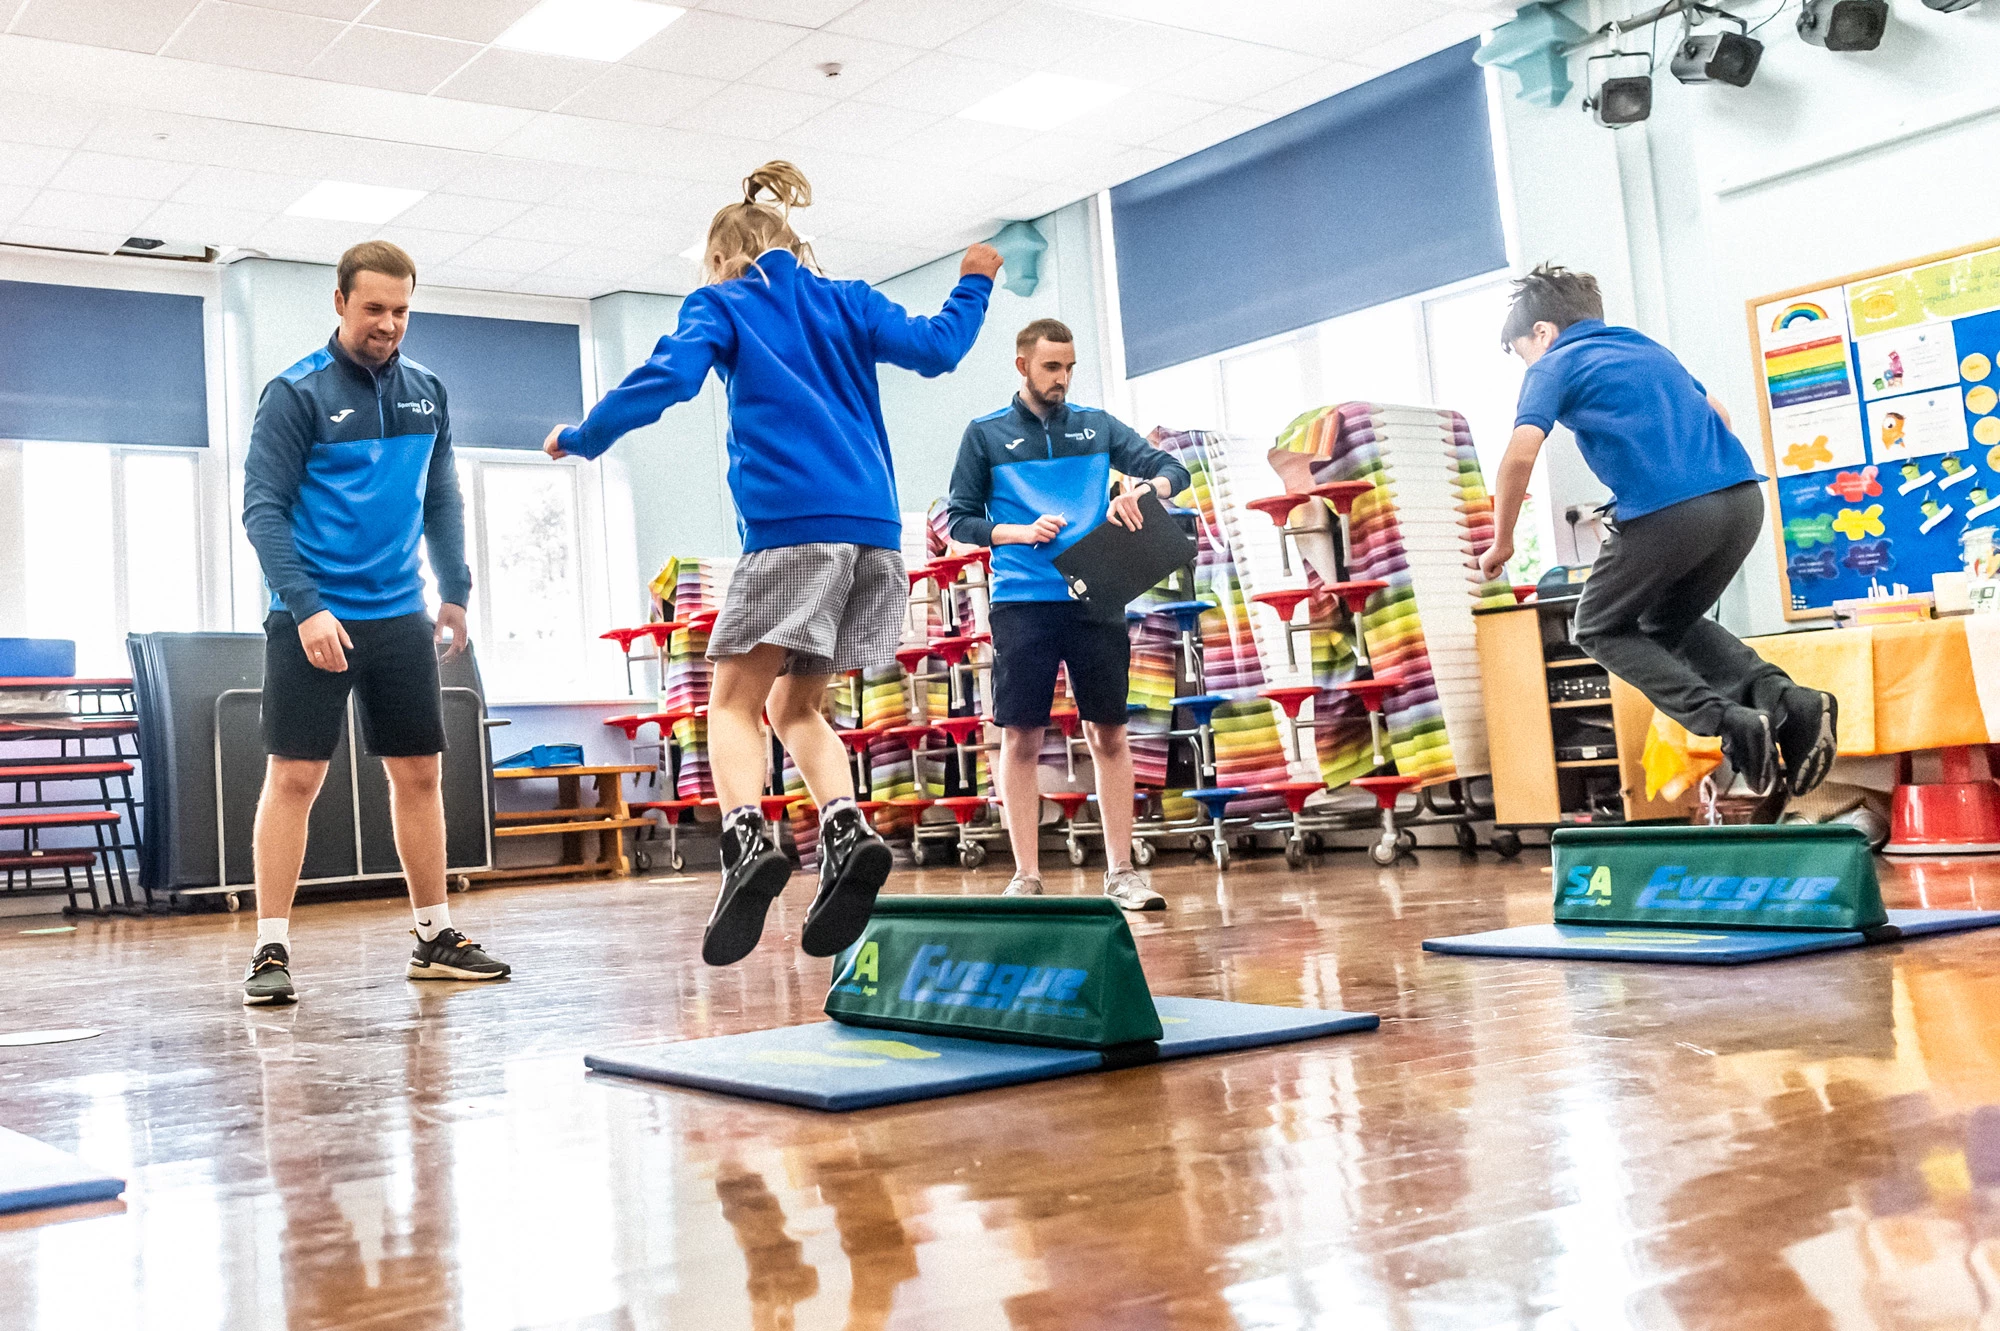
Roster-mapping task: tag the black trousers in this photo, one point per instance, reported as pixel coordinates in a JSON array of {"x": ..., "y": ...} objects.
[{"x": 1644, "y": 611}]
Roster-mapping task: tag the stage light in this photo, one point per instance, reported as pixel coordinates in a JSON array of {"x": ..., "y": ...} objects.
[
  {"x": 1727, "y": 57},
  {"x": 1844, "y": 25},
  {"x": 1949, "y": 6},
  {"x": 1624, "y": 99}
]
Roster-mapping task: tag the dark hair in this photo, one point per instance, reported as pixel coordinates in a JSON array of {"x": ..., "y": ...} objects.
[
  {"x": 1052, "y": 330},
  {"x": 373, "y": 256},
  {"x": 1550, "y": 294}
]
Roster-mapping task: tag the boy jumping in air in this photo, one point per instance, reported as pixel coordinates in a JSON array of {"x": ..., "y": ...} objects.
[
  {"x": 820, "y": 589},
  {"x": 1687, "y": 510}
]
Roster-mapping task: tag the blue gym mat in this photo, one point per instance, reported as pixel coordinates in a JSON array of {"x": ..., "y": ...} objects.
[
  {"x": 1696, "y": 947},
  {"x": 827, "y": 1065},
  {"x": 34, "y": 1175}
]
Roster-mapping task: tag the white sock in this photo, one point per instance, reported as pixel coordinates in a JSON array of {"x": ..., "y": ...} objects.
[
  {"x": 277, "y": 931},
  {"x": 431, "y": 920}
]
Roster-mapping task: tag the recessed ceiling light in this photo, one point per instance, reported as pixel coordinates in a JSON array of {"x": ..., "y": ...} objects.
[
  {"x": 345, "y": 201},
  {"x": 1043, "y": 101},
  {"x": 588, "y": 29}
]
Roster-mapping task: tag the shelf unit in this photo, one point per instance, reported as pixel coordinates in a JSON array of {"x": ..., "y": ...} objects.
[{"x": 1521, "y": 648}]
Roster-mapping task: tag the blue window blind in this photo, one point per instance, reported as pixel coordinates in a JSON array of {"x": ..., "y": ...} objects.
[
  {"x": 1377, "y": 193},
  {"x": 98, "y": 366},
  {"x": 507, "y": 380}
]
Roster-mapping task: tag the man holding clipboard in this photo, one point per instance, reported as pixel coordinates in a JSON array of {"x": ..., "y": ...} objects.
[{"x": 1031, "y": 481}]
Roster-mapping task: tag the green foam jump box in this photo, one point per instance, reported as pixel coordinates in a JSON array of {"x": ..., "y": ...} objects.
[
  {"x": 1059, "y": 971},
  {"x": 1794, "y": 876}
]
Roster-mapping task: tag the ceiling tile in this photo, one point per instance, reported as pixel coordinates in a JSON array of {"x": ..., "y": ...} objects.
[
  {"x": 920, "y": 23},
  {"x": 1053, "y": 157},
  {"x": 520, "y": 78},
  {"x": 673, "y": 277},
  {"x": 471, "y": 279},
  {"x": 462, "y": 213},
  {"x": 855, "y": 123},
  {"x": 556, "y": 225},
  {"x": 311, "y": 239},
  {"x": 399, "y": 61},
  {"x": 1240, "y": 71},
  {"x": 496, "y": 177},
  {"x": 627, "y": 192},
  {"x": 639, "y": 96},
  {"x": 84, "y": 212},
  {"x": 842, "y": 258},
  {"x": 862, "y": 62},
  {"x": 129, "y": 25},
  {"x": 597, "y": 265},
  {"x": 1140, "y": 116},
  {"x": 135, "y": 177},
  {"x": 506, "y": 255},
  {"x": 961, "y": 142},
  {"x": 836, "y": 217},
  {"x": 29, "y": 164},
  {"x": 1224, "y": 124},
  {"x": 716, "y": 46},
  {"x": 344, "y": 10},
  {"x": 1424, "y": 39},
  {"x": 1041, "y": 201},
  {"x": 607, "y": 145},
  {"x": 752, "y": 113},
  {"x": 13, "y": 200},
  {"x": 1123, "y": 166},
  {"x": 798, "y": 13},
  {"x": 1138, "y": 54},
  {"x": 574, "y": 288},
  {"x": 64, "y": 238},
  {"x": 1335, "y": 29},
  {"x": 467, "y": 20},
  {"x": 428, "y": 248},
  {"x": 1315, "y": 87},
  {"x": 224, "y": 228},
  {"x": 1035, "y": 35},
  {"x": 246, "y": 37},
  {"x": 942, "y": 84},
  {"x": 227, "y": 187},
  {"x": 53, "y": 124}
]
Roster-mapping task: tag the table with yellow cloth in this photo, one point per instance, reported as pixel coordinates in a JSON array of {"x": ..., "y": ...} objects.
[{"x": 1931, "y": 684}]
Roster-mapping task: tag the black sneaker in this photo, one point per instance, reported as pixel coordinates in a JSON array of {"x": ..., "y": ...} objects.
[
  {"x": 754, "y": 871},
  {"x": 1750, "y": 749},
  {"x": 853, "y": 865},
  {"x": 453, "y": 956},
  {"x": 270, "y": 979},
  {"x": 1807, "y": 738}
]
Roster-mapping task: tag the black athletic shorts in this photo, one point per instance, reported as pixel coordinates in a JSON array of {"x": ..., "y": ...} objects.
[
  {"x": 1031, "y": 638},
  {"x": 392, "y": 671}
]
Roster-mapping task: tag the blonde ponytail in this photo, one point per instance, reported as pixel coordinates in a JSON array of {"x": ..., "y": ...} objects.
[{"x": 742, "y": 231}]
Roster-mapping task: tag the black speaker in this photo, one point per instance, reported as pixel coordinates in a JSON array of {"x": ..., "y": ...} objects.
[
  {"x": 1726, "y": 57},
  {"x": 1844, "y": 25}
]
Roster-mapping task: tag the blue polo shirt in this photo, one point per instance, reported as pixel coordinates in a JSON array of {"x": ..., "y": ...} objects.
[{"x": 1641, "y": 420}]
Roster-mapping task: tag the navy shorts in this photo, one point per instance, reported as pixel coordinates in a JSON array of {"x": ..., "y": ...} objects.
[
  {"x": 392, "y": 671},
  {"x": 1032, "y": 638}
]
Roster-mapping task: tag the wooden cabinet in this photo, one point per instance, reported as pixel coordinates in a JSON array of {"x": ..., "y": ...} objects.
[{"x": 1566, "y": 736}]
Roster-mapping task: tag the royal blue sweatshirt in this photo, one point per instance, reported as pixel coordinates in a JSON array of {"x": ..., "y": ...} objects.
[
  {"x": 349, "y": 469},
  {"x": 809, "y": 457}
]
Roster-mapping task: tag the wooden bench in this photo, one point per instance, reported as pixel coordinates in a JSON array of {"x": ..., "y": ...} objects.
[{"x": 602, "y": 824}]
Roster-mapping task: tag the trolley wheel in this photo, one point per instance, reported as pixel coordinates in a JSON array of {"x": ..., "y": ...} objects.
[
  {"x": 1383, "y": 852},
  {"x": 1221, "y": 849},
  {"x": 1406, "y": 839},
  {"x": 1506, "y": 844},
  {"x": 919, "y": 855},
  {"x": 971, "y": 855},
  {"x": 1295, "y": 854},
  {"x": 1468, "y": 840},
  {"x": 1198, "y": 844},
  {"x": 1077, "y": 854},
  {"x": 461, "y": 883},
  {"x": 1142, "y": 853},
  {"x": 679, "y": 862},
  {"x": 232, "y": 902},
  {"x": 641, "y": 860},
  {"x": 1315, "y": 844}
]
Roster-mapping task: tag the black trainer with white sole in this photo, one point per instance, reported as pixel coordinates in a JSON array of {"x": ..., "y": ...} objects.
[
  {"x": 853, "y": 864},
  {"x": 1808, "y": 738},
  {"x": 1749, "y": 746},
  {"x": 269, "y": 982},
  {"x": 453, "y": 956},
  {"x": 754, "y": 872}
]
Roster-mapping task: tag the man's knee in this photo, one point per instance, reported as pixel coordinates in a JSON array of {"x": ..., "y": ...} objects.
[
  {"x": 1106, "y": 741},
  {"x": 293, "y": 780},
  {"x": 413, "y": 776},
  {"x": 1017, "y": 741}
]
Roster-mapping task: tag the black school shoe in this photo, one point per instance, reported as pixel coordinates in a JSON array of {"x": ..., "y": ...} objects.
[
  {"x": 1750, "y": 749},
  {"x": 853, "y": 864},
  {"x": 453, "y": 956},
  {"x": 1808, "y": 737},
  {"x": 269, "y": 982},
  {"x": 754, "y": 871}
]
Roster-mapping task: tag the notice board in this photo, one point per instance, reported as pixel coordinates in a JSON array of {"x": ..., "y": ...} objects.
[{"x": 1878, "y": 394}]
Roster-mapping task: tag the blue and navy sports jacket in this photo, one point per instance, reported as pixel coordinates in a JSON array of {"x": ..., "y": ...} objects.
[
  {"x": 1015, "y": 467},
  {"x": 348, "y": 469},
  {"x": 809, "y": 455}
]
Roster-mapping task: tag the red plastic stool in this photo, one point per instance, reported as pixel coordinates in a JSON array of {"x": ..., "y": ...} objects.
[
  {"x": 1279, "y": 509},
  {"x": 1354, "y": 595},
  {"x": 1290, "y": 697},
  {"x": 660, "y": 632},
  {"x": 629, "y": 724},
  {"x": 948, "y": 567},
  {"x": 1341, "y": 494},
  {"x": 922, "y": 573},
  {"x": 1286, "y": 601},
  {"x": 858, "y": 741},
  {"x": 623, "y": 637},
  {"x": 703, "y": 622},
  {"x": 1069, "y": 803},
  {"x": 953, "y": 651},
  {"x": 1386, "y": 790},
  {"x": 963, "y": 809},
  {"x": 962, "y": 729},
  {"x": 1066, "y": 720},
  {"x": 1371, "y": 692},
  {"x": 775, "y": 806},
  {"x": 673, "y": 809},
  {"x": 910, "y": 737},
  {"x": 914, "y": 805},
  {"x": 1523, "y": 591},
  {"x": 1295, "y": 795},
  {"x": 1955, "y": 816}
]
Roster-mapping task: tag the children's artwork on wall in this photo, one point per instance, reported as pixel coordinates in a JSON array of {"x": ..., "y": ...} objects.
[{"x": 1881, "y": 428}]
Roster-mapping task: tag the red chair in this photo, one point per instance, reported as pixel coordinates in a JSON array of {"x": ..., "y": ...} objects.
[
  {"x": 661, "y": 632},
  {"x": 1279, "y": 508},
  {"x": 623, "y": 637},
  {"x": 915, "y": 806},
  {"x": 1372, "y": 691},
  {"x": 1342, "y": 494},
  {"x": 1285, "y": 601},
  {"x": 1295, "y": 795},
  {"x": 963, "y": 730},
  {"x": 1070, "y": 803},
  {"x": 671, "y": 811},
  {"x": 776, "y": 806},
  {"x": 963, "y": 809},
  {"x": 1354, "y": 595},
  {"x": 1387, "y": 790},
  {"x": 1290, "y": 697},
  {"x": 1066, "y": 720},
  {"x": 953, "y": 651},
  {"x": 910, "y": 737},
  {"x": 859, "y": 741}
]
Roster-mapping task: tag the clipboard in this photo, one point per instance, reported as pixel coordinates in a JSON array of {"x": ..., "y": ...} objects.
[{"x": 1110, "y": 566}]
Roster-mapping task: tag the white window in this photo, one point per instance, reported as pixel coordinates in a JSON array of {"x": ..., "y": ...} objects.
[{"x": 111, "y": 543}]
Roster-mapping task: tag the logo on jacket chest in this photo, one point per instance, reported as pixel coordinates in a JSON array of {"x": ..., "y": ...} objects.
[{"x": 422, "y": 406}]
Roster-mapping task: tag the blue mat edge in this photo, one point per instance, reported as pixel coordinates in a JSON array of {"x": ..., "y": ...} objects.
[
  {"x": 66, "y": 1194},
  {"x": 1908, "y": 926}
]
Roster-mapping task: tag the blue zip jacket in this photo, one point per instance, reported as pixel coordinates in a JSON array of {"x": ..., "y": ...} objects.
[
  {"x": 348, "y": 469},
  {"x": 1014, "y": 467},
  {"x": 809, "y": 456},
  {"x": 1642, "y": 422}
]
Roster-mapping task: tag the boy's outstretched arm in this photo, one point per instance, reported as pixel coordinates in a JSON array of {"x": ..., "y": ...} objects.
[{"x": 1517, "y": 465}]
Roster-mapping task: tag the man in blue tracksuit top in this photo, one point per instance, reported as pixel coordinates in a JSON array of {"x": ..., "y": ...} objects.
[
  {"x": 349, "y": 471},
  {"x": 1031, "y": 481}
]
